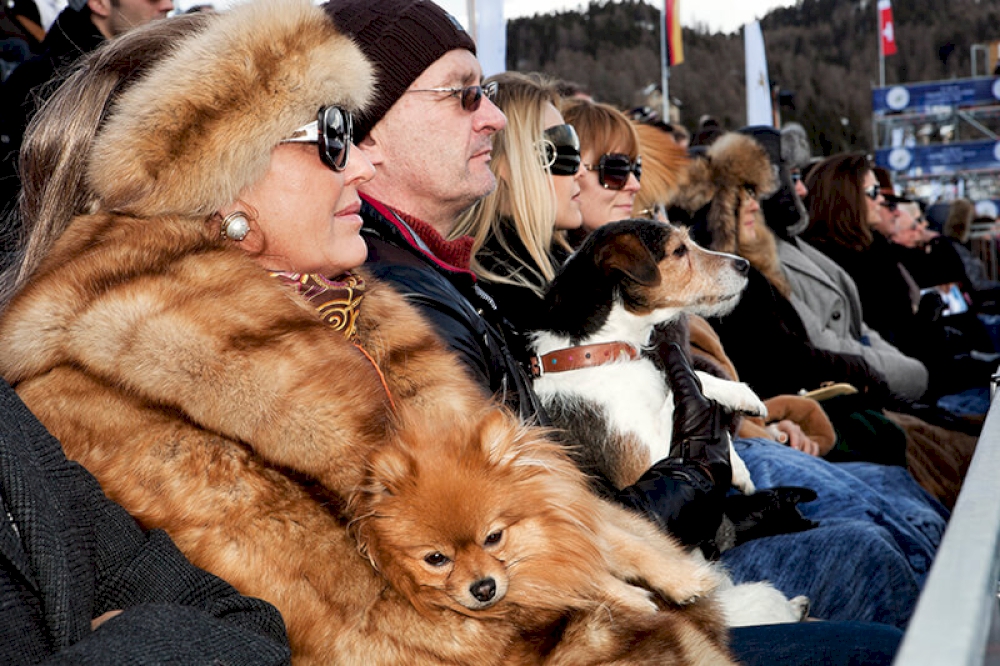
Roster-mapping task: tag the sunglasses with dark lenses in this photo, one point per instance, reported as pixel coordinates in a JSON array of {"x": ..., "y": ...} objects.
[
  {"x": 873, "y": 192},
  {"x": 562, "y": 150},
  {"x": 332, "y": 131},
  {"x": 796, "y": 176},
  {"x": 613, "y": 170},
  {"x": 470, "y": 97},
  {"x": 889, "y": 206}
]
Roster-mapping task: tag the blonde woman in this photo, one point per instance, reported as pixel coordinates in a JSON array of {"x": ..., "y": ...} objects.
[{"x": 518, "y": 230}]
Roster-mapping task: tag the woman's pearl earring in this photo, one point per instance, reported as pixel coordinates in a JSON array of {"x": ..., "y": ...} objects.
[{"x": 235, "y": 226}]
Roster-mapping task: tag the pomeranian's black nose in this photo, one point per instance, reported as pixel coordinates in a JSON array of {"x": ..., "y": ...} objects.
[{"x": 484, "y": 589}]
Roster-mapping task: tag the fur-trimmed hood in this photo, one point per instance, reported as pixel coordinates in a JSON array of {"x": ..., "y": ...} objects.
[
  {"x": 201, "y": 124},
  {"x": 709, "y": 201}
]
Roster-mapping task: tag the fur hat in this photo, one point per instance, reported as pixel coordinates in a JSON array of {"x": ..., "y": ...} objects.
[
  {"x": 200, "y": 126},
  {"x": 709, "y": 200},
  {"x": 795, "y": 150},
  {"x": 402, "y": 38}
]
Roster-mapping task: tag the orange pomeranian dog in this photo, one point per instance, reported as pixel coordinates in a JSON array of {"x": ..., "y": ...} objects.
[{"x": 491, "y": 520}]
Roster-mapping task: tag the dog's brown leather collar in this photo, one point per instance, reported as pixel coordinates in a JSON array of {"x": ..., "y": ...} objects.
[{"x": 584, "y": 356}]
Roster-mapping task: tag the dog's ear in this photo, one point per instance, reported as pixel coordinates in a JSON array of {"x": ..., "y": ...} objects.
[
  {"x": 389, "y": 469},
  {"x": 627, "y": 253},
  {"x": 507, "y": 442},
  {"x": 499, "y": 437}
]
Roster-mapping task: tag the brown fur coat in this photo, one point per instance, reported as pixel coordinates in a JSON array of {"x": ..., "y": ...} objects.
[{"x": 210, "y": 401}]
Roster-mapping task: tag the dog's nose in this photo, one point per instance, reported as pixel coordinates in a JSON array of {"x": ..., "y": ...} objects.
[
  {"x": 484, "y": 589},
  {"x": 741, "y": 265}
]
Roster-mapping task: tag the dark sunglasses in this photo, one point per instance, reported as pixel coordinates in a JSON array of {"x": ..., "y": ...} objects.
[
  {"x": 471, "y": 97},
  {"x": 332, "y": 131},
  {"x": 796, "y": 177},
  {"x": 889, "y": 206},
  {"x": 873, "y": 192},
  {"x": 613, "y": 170},
  {"x": 562, "y": 150}
]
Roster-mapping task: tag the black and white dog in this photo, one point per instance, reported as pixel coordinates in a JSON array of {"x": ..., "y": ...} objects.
[
  {"x": 612, "y": 403},
  {"x": 602, "y": 307}
]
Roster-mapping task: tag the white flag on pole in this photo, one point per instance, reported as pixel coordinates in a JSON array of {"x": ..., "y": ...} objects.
[
  {"x": 491, "y": 36},
  {"x": 759, "y": 110}
]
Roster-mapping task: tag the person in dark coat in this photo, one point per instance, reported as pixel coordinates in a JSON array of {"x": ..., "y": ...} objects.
[
  {"x": 845, "y": 201},
  {"x": 722, "y": 205},
  {"x": 80, "y": 28},
  {"x": 429, "y": 134},
  {"x": 81, "y": 583}
]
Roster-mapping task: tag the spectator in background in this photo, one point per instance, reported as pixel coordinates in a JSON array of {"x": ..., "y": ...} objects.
[
  {"x": 80, "y": 28},
  {"x": 21, "y": 36},
  {"x": 844, "y": 209},
  {"x": 611, "y": 160}
]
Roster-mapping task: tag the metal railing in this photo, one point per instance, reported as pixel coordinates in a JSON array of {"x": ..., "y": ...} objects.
[{"x": 957, "y": 619}]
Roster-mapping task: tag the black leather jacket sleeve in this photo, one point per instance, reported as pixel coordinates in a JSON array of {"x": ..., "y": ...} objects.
[
  {"x": 462, "y": 314},
  {"x": 680, "y": 497}
]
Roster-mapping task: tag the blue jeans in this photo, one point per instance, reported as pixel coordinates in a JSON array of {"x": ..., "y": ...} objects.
[
  {"x": 816, "y": 644},
  {"x": 871, "y": 553}
]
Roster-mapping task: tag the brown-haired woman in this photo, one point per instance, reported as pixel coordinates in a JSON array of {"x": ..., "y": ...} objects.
[{"x": 844, "y": 203}]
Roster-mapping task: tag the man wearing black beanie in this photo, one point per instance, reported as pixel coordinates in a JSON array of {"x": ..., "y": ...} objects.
[{"x": 429, "y": 133}]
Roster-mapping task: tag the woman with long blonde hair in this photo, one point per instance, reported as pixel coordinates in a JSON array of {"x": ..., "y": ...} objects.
[{"x": 519, "y": 228}]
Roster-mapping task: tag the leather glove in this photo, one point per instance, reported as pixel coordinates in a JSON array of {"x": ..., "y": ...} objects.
[
  {"x": 699, "y": 434},
  {"x": 769, "y": 512}
]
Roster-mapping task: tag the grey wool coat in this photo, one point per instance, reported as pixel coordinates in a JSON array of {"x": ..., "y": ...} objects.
[
  {"x": 827, "y": 300},
  {"x": 69, "y": 554}
]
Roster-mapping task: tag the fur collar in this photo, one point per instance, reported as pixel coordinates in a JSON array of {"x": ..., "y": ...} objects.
[{"x": 200, "y": 126}]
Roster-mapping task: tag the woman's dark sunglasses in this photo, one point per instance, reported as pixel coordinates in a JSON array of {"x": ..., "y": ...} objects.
[
  {"x": 613, "y": 170},
  {"x": 332, "y": 132},
  {"x": 471, "y": 97},
  {"x": 873, "y": 192},
  {"x": 562, "y": 150}
]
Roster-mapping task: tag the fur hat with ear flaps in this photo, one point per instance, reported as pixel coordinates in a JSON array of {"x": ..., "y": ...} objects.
[
  {"x": 200, "y": 126},
  {"x": 709, "y": 201}
]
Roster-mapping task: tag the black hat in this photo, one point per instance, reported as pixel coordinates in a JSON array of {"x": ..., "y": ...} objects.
[{"x": 401, "y": 38}]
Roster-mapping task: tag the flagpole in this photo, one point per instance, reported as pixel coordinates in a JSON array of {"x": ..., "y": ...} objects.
[
  {"x": 470, "y": 6},
  {"x": 664, "y": 65},
  {"x": 881, "y": 50}
]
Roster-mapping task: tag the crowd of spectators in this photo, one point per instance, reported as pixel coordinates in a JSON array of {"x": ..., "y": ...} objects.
[{"x": 870, "y": 336}]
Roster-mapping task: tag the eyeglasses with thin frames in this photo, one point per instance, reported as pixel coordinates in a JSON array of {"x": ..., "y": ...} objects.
[{"x": 470, "y": 97}]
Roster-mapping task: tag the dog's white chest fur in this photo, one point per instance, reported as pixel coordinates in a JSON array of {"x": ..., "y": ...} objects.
[
  {"x": 641, "y": 403},
  {"x": 634, "y": 394}
]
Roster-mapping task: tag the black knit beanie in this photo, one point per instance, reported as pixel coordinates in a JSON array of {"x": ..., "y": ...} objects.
[{"x": 401, "y": 38}]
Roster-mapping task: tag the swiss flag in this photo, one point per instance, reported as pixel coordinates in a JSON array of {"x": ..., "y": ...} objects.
[{"x": 886, "y": 27}]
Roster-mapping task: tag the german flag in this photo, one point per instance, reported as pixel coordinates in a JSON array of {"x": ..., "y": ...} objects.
[{"x": 672, "y": 19}]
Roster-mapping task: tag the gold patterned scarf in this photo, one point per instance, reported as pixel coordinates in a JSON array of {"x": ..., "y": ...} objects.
[{"x": 337, "y": 302}]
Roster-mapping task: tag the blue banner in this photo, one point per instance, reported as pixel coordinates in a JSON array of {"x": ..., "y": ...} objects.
[
  {"x": 918, "y": 97},
  {"x": 942, "y": 159}
]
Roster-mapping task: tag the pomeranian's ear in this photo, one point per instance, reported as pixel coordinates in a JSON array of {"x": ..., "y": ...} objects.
[
  {"x": 507, "y": 442},
  {"x": 389, "y": 469},
  {"x": 498, "y": 437}
]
